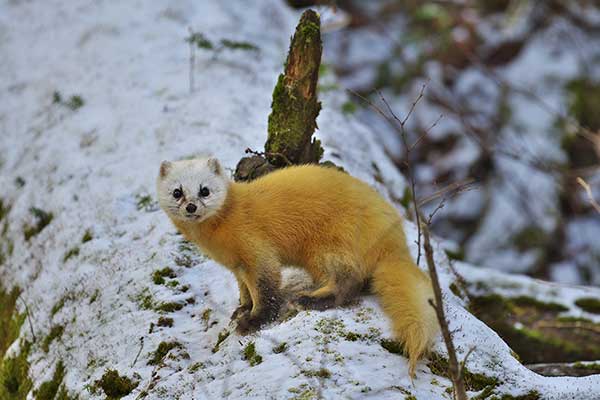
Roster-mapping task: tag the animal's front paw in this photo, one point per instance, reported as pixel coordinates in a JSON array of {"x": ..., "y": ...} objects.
[
  {"x": 248, "y": 323},
  {"x": 240, "y": 311}
]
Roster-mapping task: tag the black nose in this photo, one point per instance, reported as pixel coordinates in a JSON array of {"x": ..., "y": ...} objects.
[{"x": 191, "y": 208}]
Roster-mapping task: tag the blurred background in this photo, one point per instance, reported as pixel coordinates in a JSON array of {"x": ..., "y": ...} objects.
[{"x": 507, "y": 130}]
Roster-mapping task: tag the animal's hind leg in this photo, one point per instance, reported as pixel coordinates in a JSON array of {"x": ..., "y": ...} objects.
[{"x": 343, "y": 282}]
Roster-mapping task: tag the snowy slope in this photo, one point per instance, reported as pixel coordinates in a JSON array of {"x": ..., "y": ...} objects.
[{"x": 93, "y": 167}]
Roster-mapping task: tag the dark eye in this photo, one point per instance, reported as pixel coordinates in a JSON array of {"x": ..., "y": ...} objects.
[
  {"x": 177, "y": 193},
  {"x": 204, "y": 192}
]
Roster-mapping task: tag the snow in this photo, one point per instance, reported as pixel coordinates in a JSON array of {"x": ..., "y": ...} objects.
[{"x": 91, "y": 166}]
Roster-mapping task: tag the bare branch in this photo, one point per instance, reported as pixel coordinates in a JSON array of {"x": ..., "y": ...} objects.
[{"x": 588, "y": 190}]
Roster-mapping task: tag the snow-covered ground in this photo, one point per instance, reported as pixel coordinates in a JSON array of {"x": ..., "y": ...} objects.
[{"x": 94, "y": 167}]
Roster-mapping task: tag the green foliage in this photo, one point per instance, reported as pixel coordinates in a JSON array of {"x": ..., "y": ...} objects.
[
  {"x": 158, "y": 277},
  {"x": 392, "y": 346},
  {"x": 55, "y": 333},
  {"x": 58, "y": 306},
  {"x": 222, "y": 336},
  {"x": 144, "y": 202},
  {"x": 349, "y": 107},
  {"x": 162, "y": 350},
  {"x": 42, "y": 220},
  {"x": 49, "y": 389},
  {"x": 114, "y": 385},
  {"x": 74, "y": 102},
  {"x": 280, "y": 348},
  {"x": 473, "y": 381},
  {"x": 251, "y": 355},
  {"x": 320, "y": 373},
  {"x": 235, "y": 45},
  {"x": 169, "y": 306},
  {"x": 165, "y": 321},
  {"x": 73, "y": 252},
  {"x": 10, "y": 320},
  {"x": 87, "y": 236},
  {"x": 15, "y": 382},
  {"x": 589, "y": 304},
  {"x": 198, "y": 39}
]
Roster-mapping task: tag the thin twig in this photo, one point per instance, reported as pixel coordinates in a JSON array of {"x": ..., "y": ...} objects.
[
  {"x": 139, "y": 352},
  {"x": 192, "y": 61},
  {"x": 29, "y": 319},
  {"x": 588, "y": 190},
  {"x": 453, "y": 367},
  {"x": 268, "y": 154}
]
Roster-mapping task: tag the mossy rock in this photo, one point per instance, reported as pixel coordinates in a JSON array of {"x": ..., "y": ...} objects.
[{"x": 534, "y": 330}]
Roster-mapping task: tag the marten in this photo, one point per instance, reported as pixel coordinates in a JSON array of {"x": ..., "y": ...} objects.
[{"x": 336, "y": 227}]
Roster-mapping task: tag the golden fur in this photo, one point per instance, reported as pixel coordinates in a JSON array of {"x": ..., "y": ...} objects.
[{"x": 336, "y": 227}]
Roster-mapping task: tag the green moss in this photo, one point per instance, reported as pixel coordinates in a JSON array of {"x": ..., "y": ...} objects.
[
  {"x": 10, "y": 320},
  {"x": 75, "y": 102},
  {"x": 74, "y": 252},
  {"x": 592, "y": 366},
  {"x": 238, "y": 45},
  {"x": 58, "y": 306},
  {"x": 42, "y": 220},
  {"x": 63, "y": 394},
  {"x": 585, "y": 102},
  {"x": 280, "y": 348},
  {"x": 319, "y": 373},
  {"x": 158, "y": 277},
  {"x": 87, "y": 236},
  {"x": 349, "y": 107},
  {"x": 173, "y": 284},
  {"x": 530, "y": 237},
  {"x": 196, "y": 366},
  {"x": 198, "y": 39},
  {"x": 251, "y": 355},
  {"x": 49, "y": 389},
  {"x": 392, "y": 346},
  {"x": 114, "y": 385},
  {"x": 55, "y": 333},
  {"x": 531, "y": 395},
  {"x": 589, "y": 304},
  {"x": 94, "y": 296},
  {"x": 295, "y": 107},
  {"x": 145, "y": 300},
  {"x": 165, "y": 321},
  {"x": 353, "y": 336},
  {"x": 540, "y": 305},
  {"x": 576, "y": 320},
  {"x": 144, "y": 202},
  {"x": 473, "y": 381},
  {"x": 15, "y": 382},
  {"x": 458, "y": 255},
  {"x": 169, "y": 306},
  {"x": 4, "y": 209},
  {"x": 162, "y": 350},
  {"x": 515, "y": 320},
  {"x": 19, "y": 181}
]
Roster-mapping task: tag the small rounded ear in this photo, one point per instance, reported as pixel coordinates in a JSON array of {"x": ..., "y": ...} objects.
[
  {"x": 214, "y": 166},
  {"x": 165, "y": 166}
]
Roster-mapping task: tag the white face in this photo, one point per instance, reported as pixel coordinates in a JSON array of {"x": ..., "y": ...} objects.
[{"x": 192, "y": 190}]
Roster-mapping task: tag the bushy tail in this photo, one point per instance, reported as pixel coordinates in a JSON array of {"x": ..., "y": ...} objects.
[{"x": 403, "y": 291}]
